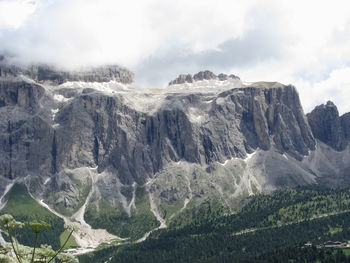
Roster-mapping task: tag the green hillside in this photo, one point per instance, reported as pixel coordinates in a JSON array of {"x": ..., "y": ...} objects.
[
  {"x": 24, "y": 208},
  {"x": 115, "y": 220},
  {"x": 268, "y": 224}
]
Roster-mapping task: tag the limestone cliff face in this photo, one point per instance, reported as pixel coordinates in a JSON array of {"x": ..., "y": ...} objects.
[
  {"x": 96, "y": 136},
  {"x": 99, "y": 130},
  {"x": 94, "y": 129},
  {"x": 23, "y": 131},
  {"x": 329, "y": 127},
  {"x": 261, "y": 115},
  {"x": 20, "y": 93}
]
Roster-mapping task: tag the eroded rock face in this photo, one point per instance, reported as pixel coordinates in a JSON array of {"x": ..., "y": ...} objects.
[
  {"x": 20, "y": 94},
  {"x": 328, "y": 127},
  {"x": 260, "y": 117},
  {"x": 48, "y": 74},
  {"x": 345, "y": 124},
  {"x": 108, "y": 142},
  {"x": 95, "y": 129},
  {"x": 182, "y": 79},
  {"x": 202, "y": 75}
]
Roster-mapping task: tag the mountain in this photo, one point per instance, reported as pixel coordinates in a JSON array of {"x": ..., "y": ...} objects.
[{"x": 99, "y": 150}]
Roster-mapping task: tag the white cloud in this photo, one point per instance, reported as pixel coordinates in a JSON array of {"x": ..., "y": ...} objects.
[
  {"x": 74, "y": 32},
  {"x": 335, "y": 88},
  {"x": 305, "y": 43},
  {"x": 13, "y": 13}
]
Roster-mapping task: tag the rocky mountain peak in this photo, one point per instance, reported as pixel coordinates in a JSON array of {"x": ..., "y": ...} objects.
[
  {"x": 142, "y": 153},
  {"x": 202, "y": 75},
  {"x": 328, "y": 127},
  {"x": 52, "y": 75},
  {"x": 330, "y": 104}
]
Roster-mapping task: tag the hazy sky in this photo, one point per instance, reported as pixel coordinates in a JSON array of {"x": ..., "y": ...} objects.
[{"x": 304, "y": 43}]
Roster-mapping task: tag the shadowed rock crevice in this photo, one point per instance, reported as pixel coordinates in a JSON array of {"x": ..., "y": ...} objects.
[{"x": 54, "y": 155}]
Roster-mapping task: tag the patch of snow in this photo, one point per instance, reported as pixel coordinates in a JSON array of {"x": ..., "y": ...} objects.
[
  {"x": 7, "y": 189},
  {"x": 148, "y": 100},
  {"x": 132, "y": 202},
  {"x": 189, "y": 198},
  {"x": 54, "y": 112},
  {"x": 249, "y": 156},
  {"x": 196, "y": 115},
  {"x": 212, "y": 86},
  {"x": 308, "y": 153},
  {"x": 60, "y": 98},
  {"x": 227, "y": 161},
  {"x": 224, "y": 163},
  {"x": 47, "y": 180},
  {"x": 105, "y": 87},
  {"x": 41, "y": 202}
]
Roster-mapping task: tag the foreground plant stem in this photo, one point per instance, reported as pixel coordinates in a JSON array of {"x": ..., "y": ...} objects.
[
  {"x": 35, "y": 241},
  {"x": 16, "y": 241},
  {"x": 61, "y": 246},
  {"x": 13, "y": 247}
]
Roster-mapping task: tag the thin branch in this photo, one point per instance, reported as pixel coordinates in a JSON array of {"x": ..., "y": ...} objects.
[
  {"x": 35, "y": 241},
  {"x": 61, "y": 247},
  {"x": 16, "y": 242},
  {"x": 13, "y": 247}
]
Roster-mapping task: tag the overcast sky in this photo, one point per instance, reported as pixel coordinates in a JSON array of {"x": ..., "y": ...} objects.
[{"x": 304, "y": 43}]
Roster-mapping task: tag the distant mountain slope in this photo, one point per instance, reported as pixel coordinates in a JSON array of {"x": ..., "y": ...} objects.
[{"x": 91, "y": 143}]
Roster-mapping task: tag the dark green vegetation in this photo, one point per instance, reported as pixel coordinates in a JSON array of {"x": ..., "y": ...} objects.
[
  {"x": 24, "y": 208},
  {"x": 268, "y": 226},
  {"x": 303, "y": 254},
  {"x": 115, "y": 220}
]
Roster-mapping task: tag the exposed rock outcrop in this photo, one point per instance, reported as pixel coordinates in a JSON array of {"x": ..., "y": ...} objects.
[
  {"x": 22, "y": 94},
  {"x": 119, "y": 145},
  {"x": 93, "y": 129},
  {"x": 48, "y": 74},
  {"x": 328, "y": 127},
  {"x": 202, "y": 75}
]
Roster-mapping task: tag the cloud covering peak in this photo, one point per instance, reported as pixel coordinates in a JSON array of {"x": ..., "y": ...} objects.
[{"x": 298, "y": 42}]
